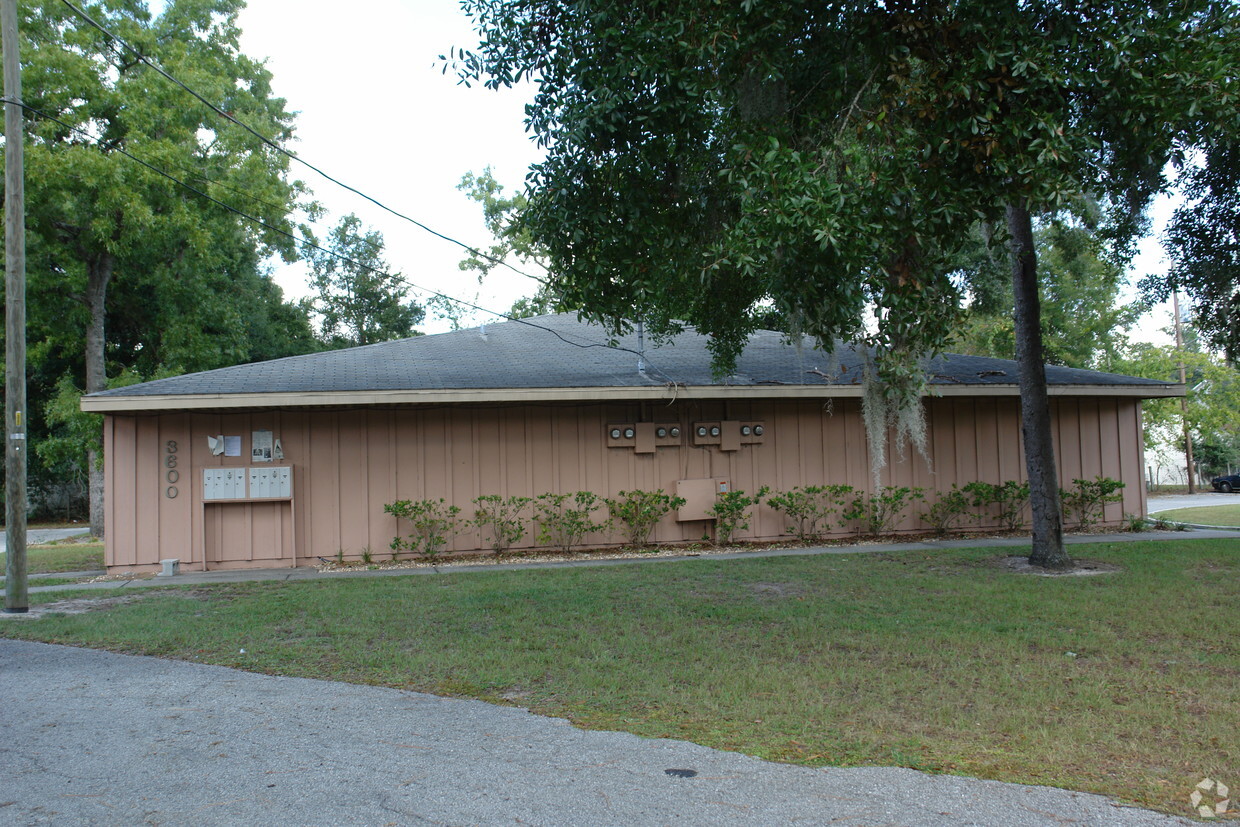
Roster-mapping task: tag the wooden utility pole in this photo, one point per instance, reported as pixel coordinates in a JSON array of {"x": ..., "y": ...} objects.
[
  {"x": 1188, "y": 439},
  {"x": 16, "y": 596}
]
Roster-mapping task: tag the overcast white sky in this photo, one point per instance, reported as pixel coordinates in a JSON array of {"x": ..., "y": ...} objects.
[{"x": 376, "y": 111}]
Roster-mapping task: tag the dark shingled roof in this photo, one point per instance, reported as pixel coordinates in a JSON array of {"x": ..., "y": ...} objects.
[{"x": 558, "y": 351}]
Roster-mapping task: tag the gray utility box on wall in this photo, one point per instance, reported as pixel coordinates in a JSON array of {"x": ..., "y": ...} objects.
[{"x": 699, "y": 497}]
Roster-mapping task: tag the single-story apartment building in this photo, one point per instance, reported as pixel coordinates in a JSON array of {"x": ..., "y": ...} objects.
[{"x": 284, "y": 462}]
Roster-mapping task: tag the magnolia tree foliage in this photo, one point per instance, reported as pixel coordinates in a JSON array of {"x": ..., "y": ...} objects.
[
  {"x": 707, "y": 161},
  {"x": 499, "y": 212},
  {"x": 502, "y": 215}
]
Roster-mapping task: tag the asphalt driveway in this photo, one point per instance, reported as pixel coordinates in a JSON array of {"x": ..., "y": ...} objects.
[
  {"x": 91, "y": 737},
  {"x": 45, "y": 535},
  {"x": 1204, "y": 498}
]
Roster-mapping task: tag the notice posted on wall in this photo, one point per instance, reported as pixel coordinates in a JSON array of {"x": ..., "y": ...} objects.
[
  {"x": 260, "y": 446},
  {"x": 232, "y": 446}
]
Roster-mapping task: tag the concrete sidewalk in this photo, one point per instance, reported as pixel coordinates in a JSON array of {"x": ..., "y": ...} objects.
[
  {"x": 1018, "y": 544},
  {"x": 91, "y": 737},
  {"x": 1167, "y": 502}
]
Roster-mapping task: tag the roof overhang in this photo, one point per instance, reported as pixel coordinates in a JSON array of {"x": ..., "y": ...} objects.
[{"x": 661, "y": 393}]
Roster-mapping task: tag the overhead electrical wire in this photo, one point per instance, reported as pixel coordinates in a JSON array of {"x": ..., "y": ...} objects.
[
  {"x": 275, "y": 146},
  {"x": 304, "y": 242}
]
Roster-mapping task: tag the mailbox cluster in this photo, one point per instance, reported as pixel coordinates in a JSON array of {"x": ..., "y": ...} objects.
[
  {"x": 247, "y": 483},
  {"x": 271, "y": 482}
]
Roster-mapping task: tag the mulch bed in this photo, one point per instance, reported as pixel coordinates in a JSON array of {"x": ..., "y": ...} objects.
[{"x": 485, "y": 558}]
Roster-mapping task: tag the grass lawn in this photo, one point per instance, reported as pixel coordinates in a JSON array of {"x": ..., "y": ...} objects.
[
  {"x": 54, "y": 558},
  {"x": 1126, "y": 684},
  {"x": 1204, "y": 515}
]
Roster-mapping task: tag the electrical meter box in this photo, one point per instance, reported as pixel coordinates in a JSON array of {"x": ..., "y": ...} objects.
[{"x": 223, "y": 483}]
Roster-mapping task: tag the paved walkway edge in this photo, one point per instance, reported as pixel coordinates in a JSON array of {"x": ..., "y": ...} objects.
[{"x": 310, "y": 573}]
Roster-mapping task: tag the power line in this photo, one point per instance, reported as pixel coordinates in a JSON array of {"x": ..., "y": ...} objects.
[
  {"x": 275, "y": 146},
  {"x": 113, "y": 146},
  {"x": 194, "y": 173}
]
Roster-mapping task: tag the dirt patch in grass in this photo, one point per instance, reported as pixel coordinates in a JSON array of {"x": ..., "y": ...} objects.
[
  {"x": 776, "y": 591},
  {"x": 78, "y": 605},
  {"x": 1080, "y": 568},
  {"x": 83, "y": 604}
]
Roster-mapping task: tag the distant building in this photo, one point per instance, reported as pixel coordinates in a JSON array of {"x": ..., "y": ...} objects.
[{"x": 1166, "y": 465}]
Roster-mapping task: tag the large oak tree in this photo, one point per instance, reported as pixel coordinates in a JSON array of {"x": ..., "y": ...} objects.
[
  {"x": 708, "y": 160},
  {"x": 126, "y": 268}
]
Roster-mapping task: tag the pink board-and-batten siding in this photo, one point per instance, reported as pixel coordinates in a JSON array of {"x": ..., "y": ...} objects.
[{"x": 347, "y": 464}]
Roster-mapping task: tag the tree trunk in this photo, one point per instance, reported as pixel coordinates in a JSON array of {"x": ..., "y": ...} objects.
[
  {"x": 98, "y": 274},
  {"x": 1035, "y": 409}
]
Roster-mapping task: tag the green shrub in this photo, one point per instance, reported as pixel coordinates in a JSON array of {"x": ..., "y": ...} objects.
[
  {"x": 878, "y": 513},
  {"x": 639, "y": 512},
  {"x": 809, "y": 510},
  {"x": 432, "y": 524},
  {"x": 1010, "y": 498},
  {"x": 947, "y": 511},
  {"x": 565, "y": 519},
  {"x": 502, "y": 516},
  {"x": 1084, "y": 503},
  {"x": 729, "y": 513}
]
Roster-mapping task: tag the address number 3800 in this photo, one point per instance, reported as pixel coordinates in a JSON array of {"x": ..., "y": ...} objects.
[{"x": 171, "y": 475}]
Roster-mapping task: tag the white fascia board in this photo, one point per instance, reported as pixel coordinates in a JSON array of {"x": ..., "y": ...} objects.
[{"x": 662, "y": 393}]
